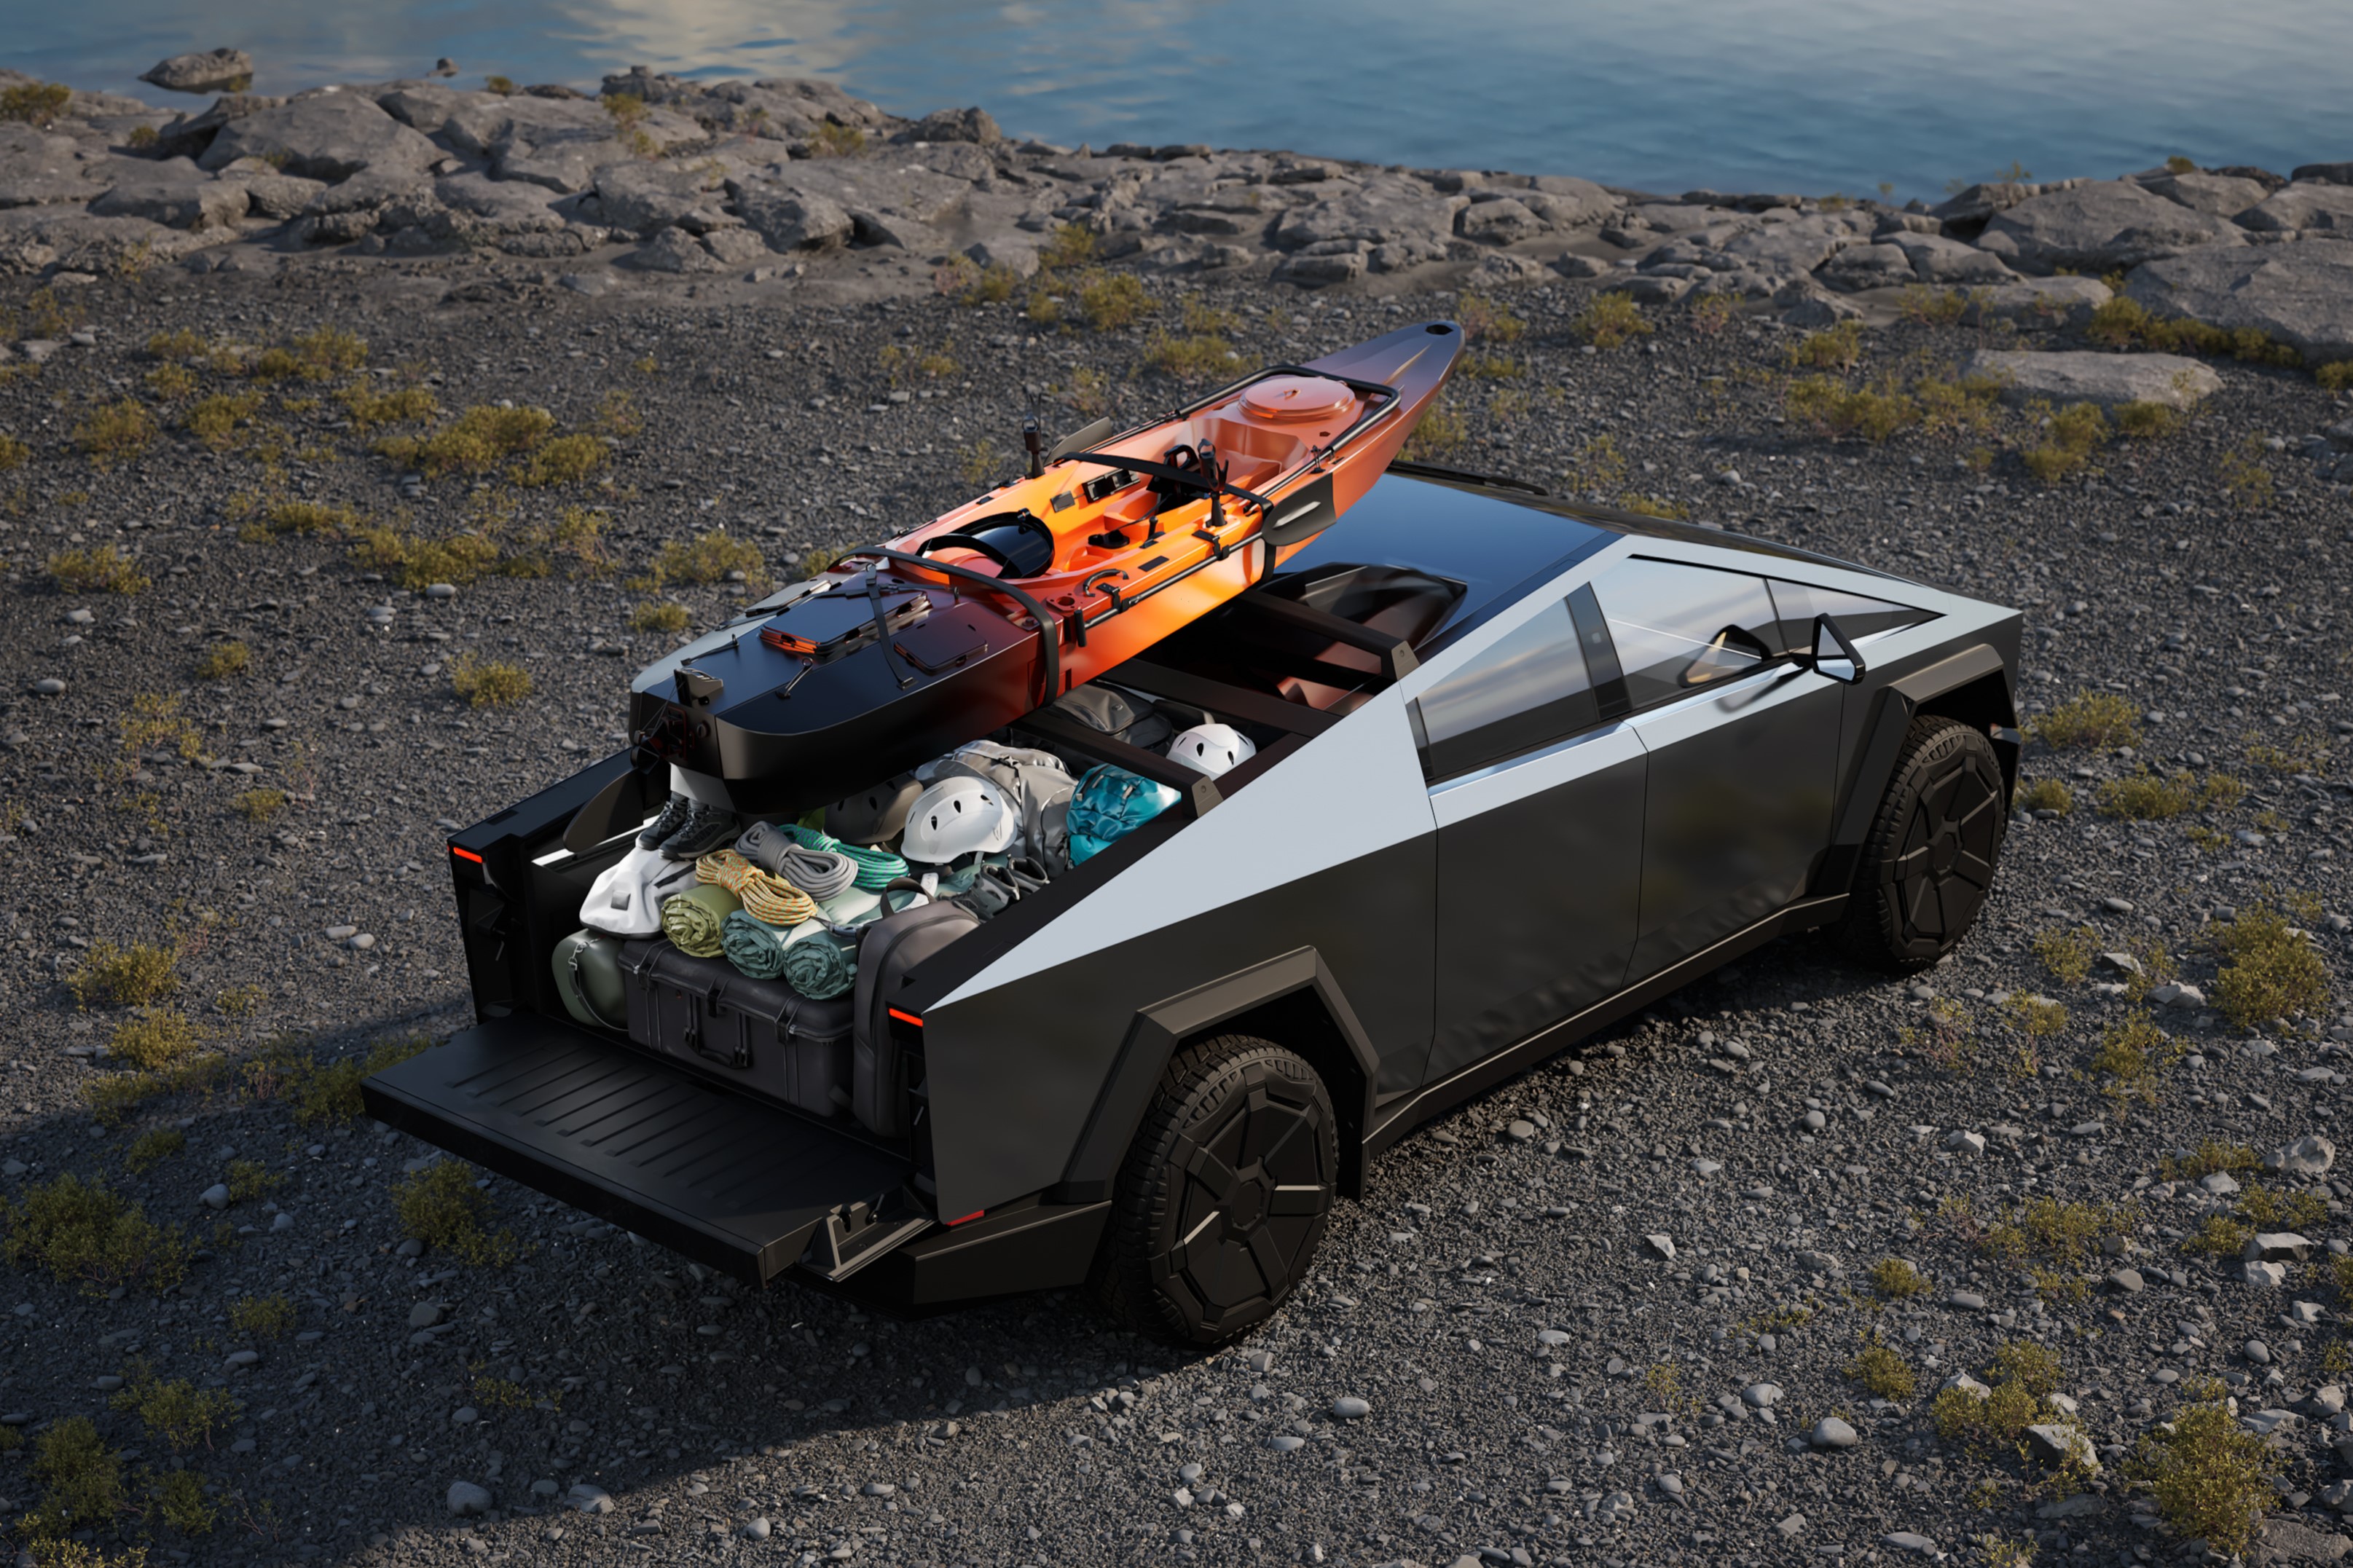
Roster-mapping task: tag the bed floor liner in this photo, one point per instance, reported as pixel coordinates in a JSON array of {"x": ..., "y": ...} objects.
[{"x": 724, "y": 1179}]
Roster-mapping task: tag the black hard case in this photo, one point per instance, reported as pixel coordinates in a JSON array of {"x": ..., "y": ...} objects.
[{"x": 756, "y": 1035}]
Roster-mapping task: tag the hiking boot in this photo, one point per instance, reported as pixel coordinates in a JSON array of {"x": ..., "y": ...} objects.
[
  {"x": 674, "y": 812},
  {"x": 706, "y": 827}
]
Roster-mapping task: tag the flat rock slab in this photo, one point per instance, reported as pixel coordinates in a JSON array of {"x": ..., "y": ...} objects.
[
  {"x": 2107, "y": 379},
  {"x": 2311, "y": 204},
  {"x": 2301, "y": 294},
  {"x": 2037, "y": 302},
  {"x": 210, "y": 70},
  {"x": 2098, "y": 226},
  {"x": 324, "y": 136}
]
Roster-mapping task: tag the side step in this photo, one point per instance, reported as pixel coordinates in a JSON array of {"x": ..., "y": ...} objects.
[{"x": 727, "y": 1181}]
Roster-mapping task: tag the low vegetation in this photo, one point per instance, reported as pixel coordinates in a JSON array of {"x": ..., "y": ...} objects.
[
  {"x": 81, "y": 1233},
  {"x": 99, "y": 569},
  {"x": 441, "y": 1206},
  {"x": 2123, "y": 323},
  {"x": 488, "y": 683},
  {"x": 665, "y": 615},
  {"x": 2145, "y": 796},
  {"x": 2208, "y": 1476},
  {"x": 2130, "y": 1056},
  {"x": 479, "y": 440},
  {"x": 2047, "y": 794},
  {"x": 2067, "y": 954},
  {"x": 34, "y": 102},
  {"x": 2101, "y": 718},
  {"x": 1882, "y": 1371},
  {"x": 151, "y": 1148},
  {"x": 115, "y": 431},
  {"x": 1610, "y": 321},
  {"x": 222, "y": 660},
  {"x": 174, "y": 1411},
  {"x": 134, "y": 977},
  {"x": 154, "y": 1037},
  {"x": 708, "y": 558},
  {"x": 1897, "y": 1280},
  {"x": 261, "y": 1317},
  {"x": 215, "y": 420},
  {"x": 2270, "y": 968}
]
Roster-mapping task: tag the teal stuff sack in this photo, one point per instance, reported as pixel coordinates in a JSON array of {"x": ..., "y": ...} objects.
[{"x": 1111, "y": 802}]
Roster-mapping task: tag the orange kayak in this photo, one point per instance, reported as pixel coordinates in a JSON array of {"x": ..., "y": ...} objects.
[{"x": 1116, "y": 539}]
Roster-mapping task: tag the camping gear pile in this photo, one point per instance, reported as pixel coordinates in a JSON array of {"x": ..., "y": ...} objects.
[{"x": 759, "y": 948}]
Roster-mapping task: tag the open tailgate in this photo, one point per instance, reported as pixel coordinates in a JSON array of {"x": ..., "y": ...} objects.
[{"x": 723, "y": 1179}]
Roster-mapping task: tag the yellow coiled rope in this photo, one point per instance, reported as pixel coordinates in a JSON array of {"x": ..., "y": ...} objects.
[{"x": 765, "y": 897}]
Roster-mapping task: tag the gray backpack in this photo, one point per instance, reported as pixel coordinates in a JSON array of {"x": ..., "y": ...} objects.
[{"x": 1036, "y": 784}]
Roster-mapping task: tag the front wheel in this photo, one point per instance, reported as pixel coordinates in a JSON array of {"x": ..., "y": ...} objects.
[
  {"x": 1927, "y": 863},
  {"x": 1224, "y": 1195}
]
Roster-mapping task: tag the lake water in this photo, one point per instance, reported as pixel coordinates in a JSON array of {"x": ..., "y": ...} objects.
[{"x": 1802, "y": 95}]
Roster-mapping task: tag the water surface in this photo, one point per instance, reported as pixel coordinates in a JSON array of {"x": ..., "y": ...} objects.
[{"x": 1802, "y": 95}]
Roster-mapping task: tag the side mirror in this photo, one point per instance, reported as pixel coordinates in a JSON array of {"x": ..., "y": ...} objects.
[{"x": 1833, "y": 654}]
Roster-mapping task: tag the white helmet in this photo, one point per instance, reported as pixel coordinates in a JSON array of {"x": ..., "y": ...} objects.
[
  {"x": 959, "y": 815},
  {"x": 626, "y": 899},
  {"x": 1211, "y": 748}
]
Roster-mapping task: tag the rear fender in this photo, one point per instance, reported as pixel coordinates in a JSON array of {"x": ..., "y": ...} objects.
[{"x": 1292, "y": 1001}]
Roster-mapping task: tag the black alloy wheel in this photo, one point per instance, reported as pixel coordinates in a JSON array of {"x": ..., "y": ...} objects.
[
  {"x": 1928, "y": 861},
  {"x": 1225, "y": 1193}
]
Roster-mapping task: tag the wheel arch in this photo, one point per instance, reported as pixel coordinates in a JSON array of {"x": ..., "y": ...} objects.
[
  {"x": 1971, "y": 687},
  {"x": 1292, "y": 1001}
]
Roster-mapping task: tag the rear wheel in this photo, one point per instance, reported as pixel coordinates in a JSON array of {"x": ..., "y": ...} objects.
[
  {"x": 1224, "y": 1195},
  {"x": 1927, "y": 863}
]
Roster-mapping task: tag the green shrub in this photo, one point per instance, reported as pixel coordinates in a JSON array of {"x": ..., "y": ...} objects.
[
  {"x": 667, "y": 616},
  {"x": 134, "y": 977},
  {"x": 2209, "y": 1477},
  {"x": 329, "y": 1091},
  {"x": 1069, "y": 244},
  {"x": 488, "y": 683},
  {"x": 1896, "y": 1279},
  {"x": 215, "y": 420},
  {"x": 1837, "y": 410},
  {"x": 2039, "y": 1016},
  {"x": 2145, "y": 421},
  {"x": 1110, "y": 301},
  {"x": 369, "y": 409},
  {"x": 101, "y": 569},
  {"x": 708, "y": 558},
  {"x": 833, "y": 140},
  {"x": 2067, "y": 954},
  {"x": 312, "y": 517},
  {"x": 2131, "y": 1054},
  {"x": 1839, "y": 348},
  {"x": 173, "y": 1410},
  {"x": 440, "y": 1207},
  {"x": 2270, "y": 969},
  {"x": 250, "y": 1179},
  {"x": 2047, "y": 794},
  {"x": 154, "y": 1037},
  {"x": 1486, "y": 320},
  {"x": 2101, "y": 718},
  {"x": 479, "y": 440},
  {"x": 222, "y": 660},
  {"x": 2074, "y": 434},
  {"x": 80, "y": 1477},
  {"x": 2209, "y": 1158},
  {"x": 14, "y": 454},
  {"x": 2336, "y": 377},
  {"x": 259, "y": 805},
  {"x": 261, "y": 1317},
  {"x": 1610, "y": 320},
  {"x": 1439, "y": 431},
  {"x": 565, "y": 460},
  {"x": 150, "y": 1148},
  {"x": 1882, "y": 1371},
  {"x": 34, "y": 104},
  {"x": 82, "y": 1233},
  {"x": 115, "y": 431}
]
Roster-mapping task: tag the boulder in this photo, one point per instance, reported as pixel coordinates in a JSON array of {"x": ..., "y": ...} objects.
[
  {"x": 2300, "y": 294},
  {"x": 215, "y": 70},
  {"x": 559, "y": 143},
  {"x": 1567, "y": 202},
  {"x": 1501, "y": 221},
  {"x": 793, "y": 220},
  {"x": 2310, "y": 1155},
  {"x": 1971, "y": 207},
  {"x": 498, "y": 207},
  {"x": 672, "y": 250},
  {"x": 2098, "y": 226},
  {"x": 1016, "y": 252},
  {"x": 193, "y": 133},
  {"x": 1794, "y": 248},
  {"x": 2087, "y": 376},
  {"x": 2328, "y": 173},
  {"x": 2056, "y": 1445},
  {"x": 642, "y": 197},
  {"x": 34, "y": 239},
  {"x": 177, "y": 195},
  {"x": 1866, "y": 266},
  {"x": 1317, "y": 271},
  {"x": 37, "y": 168},
  {"x": 1380, "y": 211},
  {"x": 325, "y": 136},
  {"x": 273, "y": 194},
  {"x": 2278, "y": 1246},
  {"x": 1937, "y": 260},
  {"x": 2037, "y": 302},
  {"x": 2287, "y": 1539},
  {"x": 2307, "y": 204},
  {"x": 1814, "y": 313},
  {"x": 954, "y": 125},
  {"x": 2223, "y": 195}
]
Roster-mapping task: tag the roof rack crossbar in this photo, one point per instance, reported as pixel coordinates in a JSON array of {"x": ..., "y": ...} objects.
[
  {"x": 1223, "y": 698},
  {"x": 1397, "y": 657}
]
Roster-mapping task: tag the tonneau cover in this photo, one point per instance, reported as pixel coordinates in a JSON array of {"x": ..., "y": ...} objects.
[{"x": 718, "y": 1177}]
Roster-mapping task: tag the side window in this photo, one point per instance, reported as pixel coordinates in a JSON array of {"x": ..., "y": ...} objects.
[
  {"x": 1528, "y": 690},
  {"x": 1856, "y": 614},
  {"x": 1679, "y": 628}
]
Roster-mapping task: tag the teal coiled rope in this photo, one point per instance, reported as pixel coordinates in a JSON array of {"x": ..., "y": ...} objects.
[{"x": 876, "y": 868}]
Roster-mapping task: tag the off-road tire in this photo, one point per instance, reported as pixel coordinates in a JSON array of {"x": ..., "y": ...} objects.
[
  {"x": 1928, "y": 861},
  {"x": 1224, "y": 1195}
]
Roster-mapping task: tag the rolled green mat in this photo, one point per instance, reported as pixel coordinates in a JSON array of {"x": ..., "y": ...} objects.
[
  {"x": 693, "y": 920},
  {"x": 818, "y": 964},
  {"x": 754, "y": 947}
]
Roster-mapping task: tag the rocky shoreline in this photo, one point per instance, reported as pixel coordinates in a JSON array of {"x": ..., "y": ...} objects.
[
  {"x": 779, "y": 181},
  {"x": 336, "y": 521}
]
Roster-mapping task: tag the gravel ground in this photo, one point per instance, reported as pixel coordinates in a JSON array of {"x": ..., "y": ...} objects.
[{"x": 1496, "y": 1361}]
